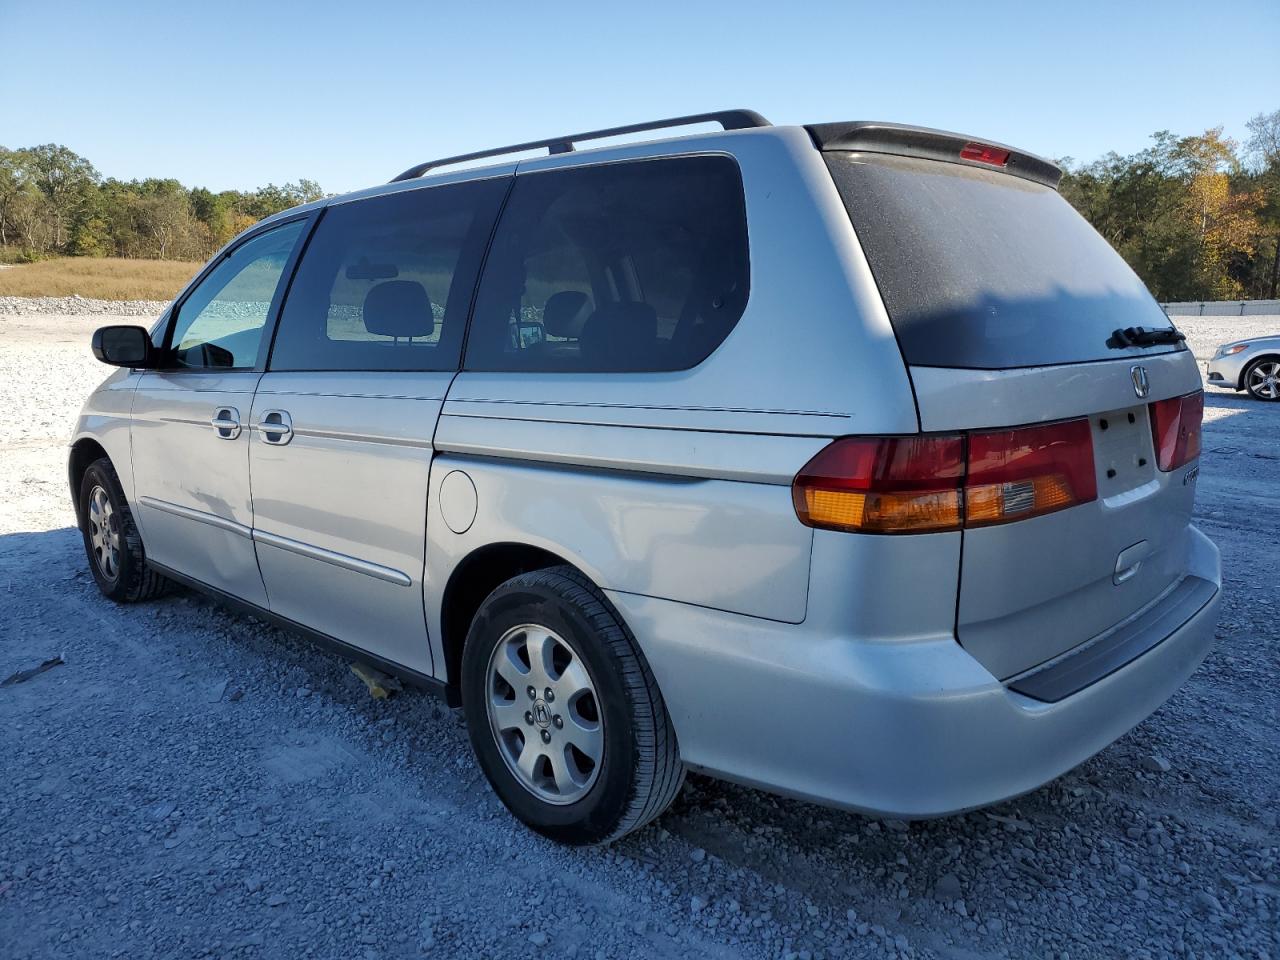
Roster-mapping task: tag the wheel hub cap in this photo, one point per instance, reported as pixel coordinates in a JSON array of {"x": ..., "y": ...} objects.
[
  {"x": 1265, "y": 380},
  {"x": 544, "y": 714},
  {"x": 104, "y": 533}
]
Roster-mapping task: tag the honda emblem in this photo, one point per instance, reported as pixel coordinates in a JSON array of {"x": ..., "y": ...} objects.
[{"x": 1141, "y": 385}]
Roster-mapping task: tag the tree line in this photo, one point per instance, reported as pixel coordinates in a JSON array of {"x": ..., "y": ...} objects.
[
  {"x": 1197, "y": 217},
  {"x": 53, "y": 202}
]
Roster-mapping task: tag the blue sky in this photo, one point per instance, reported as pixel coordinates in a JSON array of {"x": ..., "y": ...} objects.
[{"x": 237, "y": 94}]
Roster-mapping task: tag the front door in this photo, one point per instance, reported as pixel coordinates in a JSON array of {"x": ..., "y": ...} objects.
[
  {"x": 190, "y": 420},
  {"x": 343, "y": 420}
]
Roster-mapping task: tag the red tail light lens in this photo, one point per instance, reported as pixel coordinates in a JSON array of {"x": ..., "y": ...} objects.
[
  {"x": 930, "y": 483},
  {"x": 981, "y": 153},
  {"x": 883, "y": 485},
  {"x": 1015, "y": 474},
  {"x": 1175, "y": 429}
]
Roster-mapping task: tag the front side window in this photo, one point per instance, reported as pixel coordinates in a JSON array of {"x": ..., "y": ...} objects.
[
  {"x": 622, "y": 267},
  {"x": 386, "y": 283},
  {"x": 221, "y": 322}
]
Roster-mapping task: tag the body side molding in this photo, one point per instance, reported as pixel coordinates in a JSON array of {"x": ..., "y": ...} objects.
[
  {"x": 199, "y": 516},
  {"x": 377, "y": 571}
]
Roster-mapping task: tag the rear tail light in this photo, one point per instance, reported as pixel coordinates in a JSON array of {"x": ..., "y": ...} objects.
[
  {"x": 1015, "y": 474},
  {"x": 1175, "y": 429},
  {"x": 981, "y": 153},
  {"x": 931, "y": 483},
  {"x": 883, "y": 485}
]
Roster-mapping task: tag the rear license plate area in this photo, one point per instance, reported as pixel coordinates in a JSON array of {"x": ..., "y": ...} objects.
[{"x": 1122, "y": 450}]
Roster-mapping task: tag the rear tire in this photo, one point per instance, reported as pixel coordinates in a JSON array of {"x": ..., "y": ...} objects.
[
  {"x": 112, "y": 543},
  {"x": 604, "y": 700},
  {"x": 1262, "y": 379}
]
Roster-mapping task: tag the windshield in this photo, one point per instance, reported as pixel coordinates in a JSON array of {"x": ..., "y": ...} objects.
[{"x": 981, "y": 269}]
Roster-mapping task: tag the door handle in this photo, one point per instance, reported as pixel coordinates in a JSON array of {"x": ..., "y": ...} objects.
[
  {"x": 1130, "y": 561},
  {"x": 226, "y": 423},
  {"x": 276, "y": 427}
]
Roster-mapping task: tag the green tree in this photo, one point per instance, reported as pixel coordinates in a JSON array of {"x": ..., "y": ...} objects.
[
  {"x": 1177, "y": 211},
  {"x": 65, "y": 179},
  {"x": 216, "y": 212},
  {"x": 1262, "y": 151},
  {"x": 165, "y": 216}
]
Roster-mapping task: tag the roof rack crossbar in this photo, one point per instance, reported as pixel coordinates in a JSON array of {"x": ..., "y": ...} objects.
[{"x": 728, "y": 119}]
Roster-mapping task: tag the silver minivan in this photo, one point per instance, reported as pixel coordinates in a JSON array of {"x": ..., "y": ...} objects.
[{"x": 846, "y": 461}]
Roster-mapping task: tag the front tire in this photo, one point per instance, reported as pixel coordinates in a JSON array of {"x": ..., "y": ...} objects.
[
  {"x": 1262, "y": 379},
  {"x": 564, "y": 715},
  {"x": 111, "y": 539}
]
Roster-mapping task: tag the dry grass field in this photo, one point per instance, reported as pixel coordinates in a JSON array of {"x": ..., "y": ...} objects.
[{"x": 96, "y": 278}]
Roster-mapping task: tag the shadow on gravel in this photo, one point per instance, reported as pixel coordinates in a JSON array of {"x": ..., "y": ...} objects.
[{"x": 1223, "y": 400}]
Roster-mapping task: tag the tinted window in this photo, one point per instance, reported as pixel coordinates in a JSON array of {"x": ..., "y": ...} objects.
[
  {"x": 982, "y": 269},
  {"x": 385, "y": 283},
  {"x": 220, "y": 323},
  {"x": 621, "y": 267}
]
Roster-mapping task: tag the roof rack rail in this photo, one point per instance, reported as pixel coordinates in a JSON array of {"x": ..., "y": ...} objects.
[{"x": 728, "y": 119}]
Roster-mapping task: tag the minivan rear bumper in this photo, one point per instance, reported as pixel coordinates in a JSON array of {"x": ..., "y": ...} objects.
[{"x": 907, "y": 729}]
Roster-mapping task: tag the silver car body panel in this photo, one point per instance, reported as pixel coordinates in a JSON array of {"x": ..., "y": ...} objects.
[
  {"x": 819, "y": 664},
  {"x": 1031, "y": 590},
  {"x": 648, "y": 534},
  {"x": 905, "y": 728},
  {"x": 978, "y": 399},
  {"x": 723, "y": 455},
  {"x": 105, "y": 420},
  {"x": 340, "y": 509},
  {"x": 191, "y": 483}
]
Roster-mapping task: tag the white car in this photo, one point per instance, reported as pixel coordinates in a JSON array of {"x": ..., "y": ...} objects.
[{"x": 1252, "y": 365}]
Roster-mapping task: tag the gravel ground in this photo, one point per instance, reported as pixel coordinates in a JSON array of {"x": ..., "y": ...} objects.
[{"x": 194, "y": 783}]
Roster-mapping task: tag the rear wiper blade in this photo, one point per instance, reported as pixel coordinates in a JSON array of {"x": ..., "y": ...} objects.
[{"x": 1142, "y": 337}]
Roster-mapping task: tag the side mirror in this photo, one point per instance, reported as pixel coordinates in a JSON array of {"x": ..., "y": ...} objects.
[{"x": 124, "y": 347}]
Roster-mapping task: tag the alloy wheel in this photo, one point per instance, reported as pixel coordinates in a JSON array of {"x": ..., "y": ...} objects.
[
  {"x": 1264, "y": 380},
  {"x": 104, "y": 533},
  {"x": 544, "y": 714}
]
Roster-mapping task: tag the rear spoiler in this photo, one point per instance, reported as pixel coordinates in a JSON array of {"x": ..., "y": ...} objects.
[{"x": 904, "y": 141}]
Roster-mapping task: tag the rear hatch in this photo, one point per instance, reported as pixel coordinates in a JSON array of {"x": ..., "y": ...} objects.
[{"x": 1006, "y": 305}]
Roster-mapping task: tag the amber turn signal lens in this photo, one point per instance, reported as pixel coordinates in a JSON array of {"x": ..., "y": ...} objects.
[
  {"x": 883, "y": 485},
  {"x": 878, "y": 512}
]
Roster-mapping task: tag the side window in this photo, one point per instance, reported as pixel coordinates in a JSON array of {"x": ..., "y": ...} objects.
[
  {"x": 221, "y": 322},
  {"x": 386, "y": 283},
  {"x": 623, "y": 267}
]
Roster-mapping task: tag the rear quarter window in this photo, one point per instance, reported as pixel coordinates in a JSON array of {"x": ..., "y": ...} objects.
[
  {"x": 982, "y": 269},
  {"x": 622, "y": 267}
]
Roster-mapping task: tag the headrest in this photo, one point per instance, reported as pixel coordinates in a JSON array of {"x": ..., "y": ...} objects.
[
  {"x": 620, "y": 335},
  {"x": 399, "y": 308},
  {"x": 564, "y": 314}
]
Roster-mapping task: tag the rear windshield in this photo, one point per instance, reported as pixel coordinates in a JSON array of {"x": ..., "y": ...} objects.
[{"x": 981, "y": 269}]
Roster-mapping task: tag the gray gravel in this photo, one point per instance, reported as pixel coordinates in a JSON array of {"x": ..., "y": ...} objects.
[
  {"x": 81, "y": 306},
  {"x": 194, "y": 783}
]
